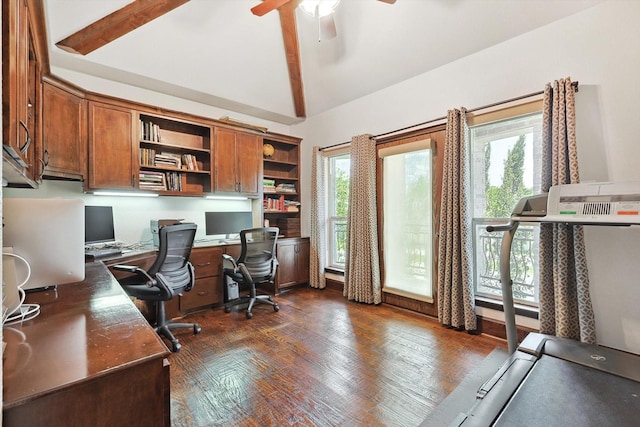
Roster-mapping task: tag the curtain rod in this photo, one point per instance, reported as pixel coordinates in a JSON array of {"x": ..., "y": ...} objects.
[{"x": 495, "y": 104}]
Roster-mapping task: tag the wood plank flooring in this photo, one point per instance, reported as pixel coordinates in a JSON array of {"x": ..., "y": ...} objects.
[{"x": 319, "y": 361}]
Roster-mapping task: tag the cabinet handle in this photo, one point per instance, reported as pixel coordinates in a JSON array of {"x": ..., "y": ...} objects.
[
  {"x": 44, "y": 165},
  {"x": 24, "y": 148},
  {"x": 201, "y": 294},
  {"x": 203, "y": 265}
]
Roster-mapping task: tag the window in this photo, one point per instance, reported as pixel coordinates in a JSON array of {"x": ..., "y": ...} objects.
[
  {"x": 407, "y": 219},
  {"x": 338, "y": 207},
  {"x": 505, "y": 166}
]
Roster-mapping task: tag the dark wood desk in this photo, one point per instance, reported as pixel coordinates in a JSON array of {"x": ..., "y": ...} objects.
[{"x": 89, "y": 359}]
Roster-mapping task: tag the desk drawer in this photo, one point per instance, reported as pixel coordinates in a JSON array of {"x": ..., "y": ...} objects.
[
  {"x": 206, "y": 292},
  {"x": 206, "y": 261}
]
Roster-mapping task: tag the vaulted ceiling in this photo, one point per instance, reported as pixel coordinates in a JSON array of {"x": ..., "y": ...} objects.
[{"x": 219, "y": 53}]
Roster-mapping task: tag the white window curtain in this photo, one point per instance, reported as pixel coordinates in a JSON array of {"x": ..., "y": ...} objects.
[
  {"x": 456, "y": 306},
  {"x": 565, "y": 303},
  {"x": 318, "y": 238},
  {"x": 362, "y": 270}
]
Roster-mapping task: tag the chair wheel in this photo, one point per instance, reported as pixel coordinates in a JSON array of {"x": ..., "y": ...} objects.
[
  {"x": 175, "y": 346},
  {"x": 196, "y": 329},
  {"x": 227, "y": 309},
  {"x": 249, "y": 314},
  {"x": 276, "y": 308}
]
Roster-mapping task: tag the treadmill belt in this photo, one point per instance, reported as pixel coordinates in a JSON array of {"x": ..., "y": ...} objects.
[{"x": 562, "y": 393}]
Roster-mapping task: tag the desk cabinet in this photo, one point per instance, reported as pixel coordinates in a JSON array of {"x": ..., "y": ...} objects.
[
  {"x": 207, "y": 291},
  {"x": 293, "y": 257}
]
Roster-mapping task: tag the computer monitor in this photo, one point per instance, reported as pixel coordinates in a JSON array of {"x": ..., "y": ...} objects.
[
  {"x": 98, "y": 225},
  {"x": 48, "y": 234},
  {"x": 227, "y": 223}
]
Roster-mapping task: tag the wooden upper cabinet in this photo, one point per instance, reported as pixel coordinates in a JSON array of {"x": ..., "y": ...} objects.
[
  {"x": 64, "y": 117},
  {"x": 249, "y": 155},
  {"x": 111, "y": 154},
  {"x": 237, "y": 162},
  {"x": 21, "y": 87}
]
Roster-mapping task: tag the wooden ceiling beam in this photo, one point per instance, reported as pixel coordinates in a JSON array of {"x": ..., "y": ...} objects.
[
  {"x": 117, "y": 24},
  {"x": 267, "y": 6},
  {"x": 292, "y": 50}
]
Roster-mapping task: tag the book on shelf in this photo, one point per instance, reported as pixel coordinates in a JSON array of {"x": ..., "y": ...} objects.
[
  {"x": 269, "y": 185},
  {"x": 189, "y": 162},
  {"x": 147, "y": 156},
  {"x": 168, "y": 159},
  {"x": 174, "y": 181},
  {"x": 286, "y": 188},
  {"x": 149, "y": 131},
  {"x": 150, "y": 180},
  {"x": 280, "y": 204}
]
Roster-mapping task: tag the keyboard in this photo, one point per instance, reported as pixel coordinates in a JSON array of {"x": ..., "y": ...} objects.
[{"x": 102, "y": 252}]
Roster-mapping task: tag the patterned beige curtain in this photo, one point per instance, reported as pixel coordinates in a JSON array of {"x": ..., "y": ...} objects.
[
  {"x": 455, "y": 285},
  {"x": 565, "y": 303},
  {"x": 318, "y": 238},
  {"x": 362, "y": 267}
]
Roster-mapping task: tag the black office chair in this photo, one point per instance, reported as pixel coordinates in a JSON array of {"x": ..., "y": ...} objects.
[
  {"x": 256, "y": 266},
  {"x": 170, "y": 275}
]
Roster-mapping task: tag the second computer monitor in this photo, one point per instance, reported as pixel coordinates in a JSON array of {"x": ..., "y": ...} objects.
[{"x": 227, "y": 223}]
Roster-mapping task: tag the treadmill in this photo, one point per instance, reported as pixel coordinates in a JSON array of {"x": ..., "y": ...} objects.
[{"x": 552, "y": 381}]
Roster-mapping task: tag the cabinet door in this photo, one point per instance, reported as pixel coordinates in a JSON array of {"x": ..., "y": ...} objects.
[
  {"x": 64, "y": 132},
  {"x": 111, "y": 159},
  {"x": 287, "y": 264},
  {"x": 225, "y": 161},
  {"x": 21, "y": 86},
  {"x": 302, "y": 261},
  {"x": 249, "y": 155}
]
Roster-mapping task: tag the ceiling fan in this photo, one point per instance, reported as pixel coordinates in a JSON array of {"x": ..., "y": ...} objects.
[{"x": 139, "y": 12}]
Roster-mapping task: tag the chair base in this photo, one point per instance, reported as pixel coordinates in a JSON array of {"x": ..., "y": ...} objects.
[
  {"x": 251, "y": 301},
  {"x": 165, "y": 331},
  {"x": 164, "y": 327}
]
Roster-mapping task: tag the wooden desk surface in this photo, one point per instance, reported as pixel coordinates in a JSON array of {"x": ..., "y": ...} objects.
[{"x": 85, "y": 331}]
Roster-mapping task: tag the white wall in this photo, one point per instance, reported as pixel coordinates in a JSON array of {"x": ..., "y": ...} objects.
[
  {"x": 599, "y": 47},
  {"x": 132, "y": 215}
]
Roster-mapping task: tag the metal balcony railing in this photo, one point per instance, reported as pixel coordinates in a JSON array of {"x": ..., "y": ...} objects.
[{"x": 524, "y": 263}]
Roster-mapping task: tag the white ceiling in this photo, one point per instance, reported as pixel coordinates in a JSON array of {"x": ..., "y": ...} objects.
[{"x": 218, "y": 53}]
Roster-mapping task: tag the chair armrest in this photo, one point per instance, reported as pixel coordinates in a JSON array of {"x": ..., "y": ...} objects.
[
  {"x": 274, "y": 268},
  {"x": 162, "y": 284},
  {"x": 230, "y": 259},
  {"x": 136, "y": 270}
]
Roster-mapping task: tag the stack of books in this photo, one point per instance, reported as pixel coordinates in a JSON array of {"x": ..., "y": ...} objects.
[
  {"x": 168, "y": 160},
  {"x": 151, "y": 180},
  {"x": 269, "y": 185},
  {"x": 291, "y": 206},
  {"x": 286, "y": 188}
]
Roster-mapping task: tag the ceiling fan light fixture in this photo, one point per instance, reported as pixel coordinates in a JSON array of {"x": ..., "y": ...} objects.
[{"x": 318, "y": 8}]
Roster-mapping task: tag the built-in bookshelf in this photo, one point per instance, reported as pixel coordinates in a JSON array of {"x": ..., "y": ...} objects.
[
  {"x": 174, "y": 156},
  {"x": 281, "y": 184}
]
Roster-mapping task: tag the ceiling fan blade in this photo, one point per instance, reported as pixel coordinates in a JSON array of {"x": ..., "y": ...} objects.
[
  {"x": 267, "y": 6},
  {"x": 326, "y": 27},
  {"x": 117, "y": 24},
  {"x": 388, "y": 1}
]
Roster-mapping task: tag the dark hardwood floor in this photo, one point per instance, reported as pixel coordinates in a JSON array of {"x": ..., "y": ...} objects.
[{"x": 319, "y": 361}]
